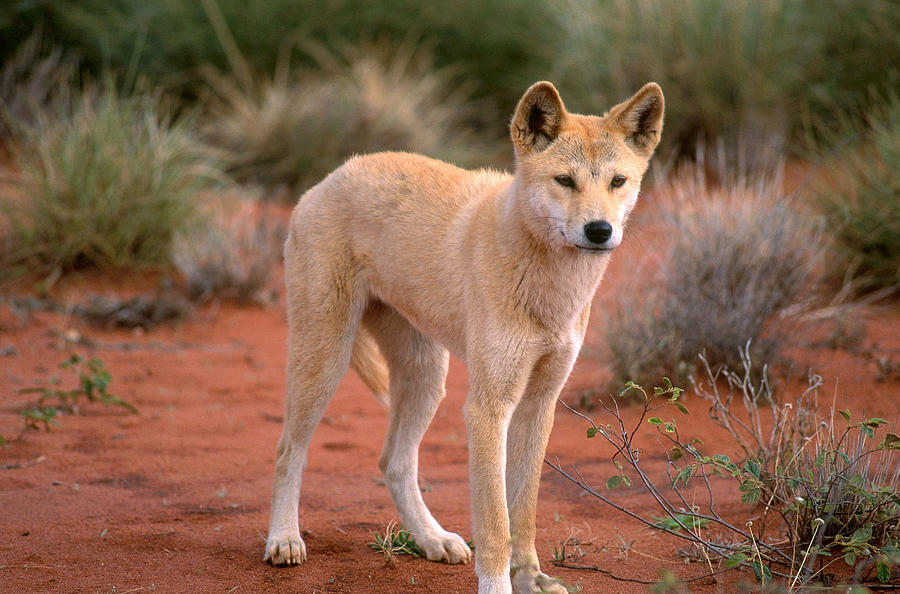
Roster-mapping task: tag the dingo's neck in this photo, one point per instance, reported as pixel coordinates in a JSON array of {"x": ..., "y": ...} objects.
[{"x": 552, "y": 283}]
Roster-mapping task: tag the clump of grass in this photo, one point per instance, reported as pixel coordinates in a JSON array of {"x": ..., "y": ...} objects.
[
  {"x": 735, "y": 256},
  {"x": 233, "y": 256},
  {"x": 860, "y": 197},
  {"x": 290, "y": 133},
  {"x": 392, "y": 543},
  {"x": 107, "y": 183}
]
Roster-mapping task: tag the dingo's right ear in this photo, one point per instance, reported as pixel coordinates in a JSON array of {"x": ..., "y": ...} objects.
[{"x": 538, "y": 118}]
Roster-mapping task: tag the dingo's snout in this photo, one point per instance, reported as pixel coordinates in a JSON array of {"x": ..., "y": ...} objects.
[{"x": 598, "y": 232}]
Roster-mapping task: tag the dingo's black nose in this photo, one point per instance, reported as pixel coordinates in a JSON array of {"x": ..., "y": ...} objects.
[{"x": 598, "y": 231}]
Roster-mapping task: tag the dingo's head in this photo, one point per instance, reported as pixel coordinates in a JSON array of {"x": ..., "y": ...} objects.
[{"x": 579, "y": 176}]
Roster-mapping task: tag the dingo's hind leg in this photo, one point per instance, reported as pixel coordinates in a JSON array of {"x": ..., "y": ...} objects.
[
  {"x": 418, "y": 370},
  {"x": 324, "y": 306}
]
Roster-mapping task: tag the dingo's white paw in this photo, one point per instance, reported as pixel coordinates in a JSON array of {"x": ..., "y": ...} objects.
[
  {"x": 494, "y": 585},
  {"x": 448, "y": 547},
  {"x": 285, "y": 550},
  {"x": 532, "y": 581}
]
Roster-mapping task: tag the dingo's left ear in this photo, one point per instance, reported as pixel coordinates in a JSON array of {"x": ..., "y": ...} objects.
[
  {"x": 641, "y": 119},
  {"x": 538, "y": 118}
]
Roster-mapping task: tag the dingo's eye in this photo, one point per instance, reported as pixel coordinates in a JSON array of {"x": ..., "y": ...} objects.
[
  {"x": 618, "y": 181},
  {"x": 565, "y": 181}
]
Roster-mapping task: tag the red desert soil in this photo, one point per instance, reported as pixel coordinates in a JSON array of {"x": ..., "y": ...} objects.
[{"x": 176, "y": 499}]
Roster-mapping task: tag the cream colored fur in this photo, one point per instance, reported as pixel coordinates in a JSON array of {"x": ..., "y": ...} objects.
[{"x": 396, "y": 260}]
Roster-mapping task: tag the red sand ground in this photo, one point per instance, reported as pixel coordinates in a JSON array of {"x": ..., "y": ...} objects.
[{"x": 177, "y": 498}]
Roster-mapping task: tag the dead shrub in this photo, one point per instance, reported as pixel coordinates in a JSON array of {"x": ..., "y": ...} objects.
[
  {"x": 735, "y": 256},
  {"x": 231, "y": 257}
]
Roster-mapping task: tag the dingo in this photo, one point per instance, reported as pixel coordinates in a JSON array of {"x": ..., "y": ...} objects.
[{"x": 395, "y": 260}]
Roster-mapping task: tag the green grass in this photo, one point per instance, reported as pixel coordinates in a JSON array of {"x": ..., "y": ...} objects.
[
  {"x": 493, "y": 41},
  {"x": 392, "y": 543},
  {"x": 105, "y": 183},
  {"x": 743, "y": 71},
  {"x": 859, "y": 193},
  {"x": 747, "y": 73}
]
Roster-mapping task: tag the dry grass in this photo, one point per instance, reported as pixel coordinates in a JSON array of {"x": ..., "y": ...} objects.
[
  {"x": 291, "y": 131},
  {"x": 232, "y": 257},
  {"x": 35, "y": 76},
  {"x": 735, "y": 256}
]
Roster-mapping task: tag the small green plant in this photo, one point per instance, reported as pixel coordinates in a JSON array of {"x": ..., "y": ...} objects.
[
  {"x": 392, "y": 543},
  {"x": 93, "y": 381},
  {"x": 38, "y": 415},
  {"x": 820, "y": 494}
]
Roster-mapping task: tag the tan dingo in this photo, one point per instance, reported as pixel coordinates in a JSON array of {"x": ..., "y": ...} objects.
[{"x": 396, "y": 260}]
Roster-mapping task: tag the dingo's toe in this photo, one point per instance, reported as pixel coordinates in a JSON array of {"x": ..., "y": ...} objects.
[
  {"x": 285, "y": 550},
  {"x": 448, "y": 547},
  {"x": 532, "y": 581}
]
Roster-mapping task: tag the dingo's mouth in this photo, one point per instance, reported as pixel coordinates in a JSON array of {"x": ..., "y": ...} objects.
[{"x": 593, "y": 249}]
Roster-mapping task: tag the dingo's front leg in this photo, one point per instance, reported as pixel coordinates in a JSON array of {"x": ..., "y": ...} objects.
[
  {"x": 497, "y": 383},
  {"x": 526, "y": 442}
]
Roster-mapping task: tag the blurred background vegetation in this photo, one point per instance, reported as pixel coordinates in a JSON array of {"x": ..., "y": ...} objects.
[{"x": 120, "y": 116}]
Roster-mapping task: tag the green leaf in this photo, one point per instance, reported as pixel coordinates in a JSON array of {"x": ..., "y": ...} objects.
[
  {"x": 875, "y": 422},
  {"x": 592, "y": 431},
  {"x": 862, "y": 534},
  {"x": 655, "y": 421},
  {"x": 751, "y": 492},
  {"x": 867, "y": 430},
  {"x": 753, "y": 467},
  {"x": 683, "y": 475},
  {"x": 846, "y": 414},
  {"x": 613, "y": 481},
  {"x": 735, "y": 560},
  {"x": 670, "y": 427},
  {"x": 676, "y": 453},
  {"x": 884, "y": 572},
  {"x": 681, "y": 407},
  {"x": 761, "y": 572}
]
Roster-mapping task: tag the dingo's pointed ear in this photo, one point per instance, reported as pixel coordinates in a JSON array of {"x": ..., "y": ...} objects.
[
  {"x": 538, "y": 118},
  {"x": 641, "y": 119}
]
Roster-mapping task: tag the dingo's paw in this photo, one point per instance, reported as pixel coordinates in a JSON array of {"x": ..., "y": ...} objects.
[
  {"x": 285, "y": 550},
  {"x": 530, "y": 580},
  {"x": 448, "y": 547}
]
